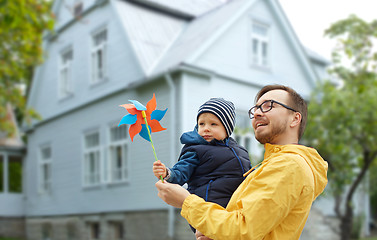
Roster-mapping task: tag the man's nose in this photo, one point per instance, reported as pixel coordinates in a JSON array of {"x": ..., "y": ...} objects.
[{"x": 258, "y": 112}]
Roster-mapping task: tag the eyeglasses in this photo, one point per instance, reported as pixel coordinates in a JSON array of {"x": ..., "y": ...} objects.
[{"x": 266, "y": 106}]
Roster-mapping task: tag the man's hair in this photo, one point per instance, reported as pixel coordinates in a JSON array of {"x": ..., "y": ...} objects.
[{"x": 295, "y": 101}]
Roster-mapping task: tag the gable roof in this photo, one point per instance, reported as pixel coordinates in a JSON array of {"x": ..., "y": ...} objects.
[
  {"x": 189, "y": 8},
  {"x": 166, "y": 34},
  {"x": 202, "y": 31}
]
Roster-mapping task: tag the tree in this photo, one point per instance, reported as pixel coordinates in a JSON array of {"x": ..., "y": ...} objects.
[
  {"x": 22, "y": 24},
  {"x": 342, "y": 123}
]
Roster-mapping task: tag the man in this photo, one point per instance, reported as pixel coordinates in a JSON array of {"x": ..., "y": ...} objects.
[{"x": 274, "y": 200}]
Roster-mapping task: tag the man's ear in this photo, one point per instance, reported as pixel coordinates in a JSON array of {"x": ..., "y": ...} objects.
[{"x": 296, "y": 120}]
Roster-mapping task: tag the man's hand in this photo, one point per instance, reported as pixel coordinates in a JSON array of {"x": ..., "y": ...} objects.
[
  {"x": 172, "y": 194},
  {"x": 200, "y": 236}
]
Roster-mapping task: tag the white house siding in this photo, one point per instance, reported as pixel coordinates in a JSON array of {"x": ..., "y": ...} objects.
[
  {"x": 121, "y": 63},
  {"x": 65, "y": 135}
]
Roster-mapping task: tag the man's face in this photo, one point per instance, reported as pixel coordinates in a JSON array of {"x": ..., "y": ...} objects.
[{"x": 271, "y": 127}]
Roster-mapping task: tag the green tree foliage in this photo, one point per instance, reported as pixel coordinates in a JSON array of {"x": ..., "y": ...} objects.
[
  {"x": 22, "y": 23},
  {"x": 343, "y": 117}
]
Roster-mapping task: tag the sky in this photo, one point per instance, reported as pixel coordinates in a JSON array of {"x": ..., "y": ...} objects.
[{"x": 310, "y": 18}]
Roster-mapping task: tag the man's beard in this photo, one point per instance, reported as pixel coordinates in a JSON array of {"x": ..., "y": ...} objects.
[{"x": 270, "y": 136}]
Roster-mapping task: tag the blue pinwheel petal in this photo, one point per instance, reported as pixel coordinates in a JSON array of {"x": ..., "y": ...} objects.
[
  {"x": 158, "y": 114},
  {"x": 128, "y": 119},
  {"x": 144, "y": 132},
  {"x": 138, "y": 105}
]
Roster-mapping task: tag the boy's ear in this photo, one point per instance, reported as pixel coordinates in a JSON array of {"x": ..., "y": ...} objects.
[{"x": 296, "y": 120}]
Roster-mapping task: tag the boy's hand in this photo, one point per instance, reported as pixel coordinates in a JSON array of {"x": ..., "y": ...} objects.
[{"x": 159, "y": 169}]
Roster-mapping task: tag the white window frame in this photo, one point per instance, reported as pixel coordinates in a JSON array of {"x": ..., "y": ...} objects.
[
  {"x": 65, "y": 73},
  {"x": 98, "y": 55},
  {"x": 259, "y": 42},
  {"x": 45, "y": 163},
  {"x": 92, "y": 157},
  {"x": 115, "y": 174}
]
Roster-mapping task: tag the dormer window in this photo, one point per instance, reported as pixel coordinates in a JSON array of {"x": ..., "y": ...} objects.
[
  {"x": 77, "y": 8},
  {"x": 99, "y": 42},
  {"x": 260, "y": 47},
  {"x": 65, "y": 75}
]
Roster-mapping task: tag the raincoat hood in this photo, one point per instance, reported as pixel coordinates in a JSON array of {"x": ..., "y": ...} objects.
[{"x": 316, "y": 163}]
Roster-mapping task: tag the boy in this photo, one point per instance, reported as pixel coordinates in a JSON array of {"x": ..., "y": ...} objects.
[{"x": 211, "y": 162}]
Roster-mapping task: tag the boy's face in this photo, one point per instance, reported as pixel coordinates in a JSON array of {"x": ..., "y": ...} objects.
[{"x": 210, "y": 127}]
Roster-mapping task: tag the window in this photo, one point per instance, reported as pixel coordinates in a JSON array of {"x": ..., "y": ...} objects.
[
  {"x": 244, "y": 136},
  {"x": 94, "y": 231},
  {"x": 72, "y": 231},
  {"x": 77, "y": 8},
  {"x": 99, "y": 41},
  {"x": 260, "y": 45},
  {"x": 15, "y": 174},
  {"x": 1, "y": 173},
  {"x": 45, "y": 169},
  {"x": 117, "y": 230},
  {"x": 65, "y": 77},
  {"x": 46, "y": 232},
  {"x": 118, "y": 170},
  {"x": 92, "y": 159}
]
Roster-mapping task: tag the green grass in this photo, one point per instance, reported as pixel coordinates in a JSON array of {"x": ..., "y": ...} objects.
[{"x": 368, "y": 238}]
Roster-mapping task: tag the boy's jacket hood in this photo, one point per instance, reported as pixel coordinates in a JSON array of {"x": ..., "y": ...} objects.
[
  {"x": 311, "y": 156},
  {"x": 193, "y": 137}
]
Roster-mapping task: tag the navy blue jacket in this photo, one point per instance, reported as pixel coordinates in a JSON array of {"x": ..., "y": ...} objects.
[{"x": 213, "y": 170}]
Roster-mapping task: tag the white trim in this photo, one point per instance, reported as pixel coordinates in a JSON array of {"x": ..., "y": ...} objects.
[
  {"x": 65, "y": 89},
  {"x": 261, "y": 61},
  {"x": 44, "y": 187},
  {"x": 124, "y": 144},
  {"x": 98, "y": 49},
  {"x": 95, "y": 178}
]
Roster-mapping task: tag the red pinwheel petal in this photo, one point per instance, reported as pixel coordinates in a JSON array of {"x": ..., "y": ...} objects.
[
  {"x": 130, "y": 108},
  {"x": 151, "y": 106},
  {"x": 155, "y": 126},
  {"x": 134, "y": 129}
]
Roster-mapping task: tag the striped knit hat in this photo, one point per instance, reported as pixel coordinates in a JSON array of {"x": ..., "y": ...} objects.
[{"x": 223, "y": 109}]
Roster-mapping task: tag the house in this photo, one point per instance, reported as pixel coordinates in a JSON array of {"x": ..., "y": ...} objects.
[
  {"x": 84, "y": 178},
  {"x": 12, "y": 152}
]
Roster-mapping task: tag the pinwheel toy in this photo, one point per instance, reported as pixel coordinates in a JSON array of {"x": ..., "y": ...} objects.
[{"x": 143, "y": 120}]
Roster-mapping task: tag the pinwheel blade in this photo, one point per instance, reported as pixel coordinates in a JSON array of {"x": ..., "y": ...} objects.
[
  {"x": 128, "y": 119},
  {"x": 144, "y": 132},
  {"x": 138, "y": 105},
  {"x": 158, "y": 114}
]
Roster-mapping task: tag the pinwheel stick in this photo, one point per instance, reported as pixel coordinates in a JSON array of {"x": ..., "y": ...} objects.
[{"x": 150, "y": 138}]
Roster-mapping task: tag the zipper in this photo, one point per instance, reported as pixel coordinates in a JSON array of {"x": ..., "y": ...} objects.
[{"x": 207, "y": 190}]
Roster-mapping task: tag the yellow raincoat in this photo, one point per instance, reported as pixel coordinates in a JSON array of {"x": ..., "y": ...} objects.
[{"x": 273, "y": 202}]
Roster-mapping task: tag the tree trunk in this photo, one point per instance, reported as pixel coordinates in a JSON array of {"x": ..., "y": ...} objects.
[{"x": 346, "y": 222}]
